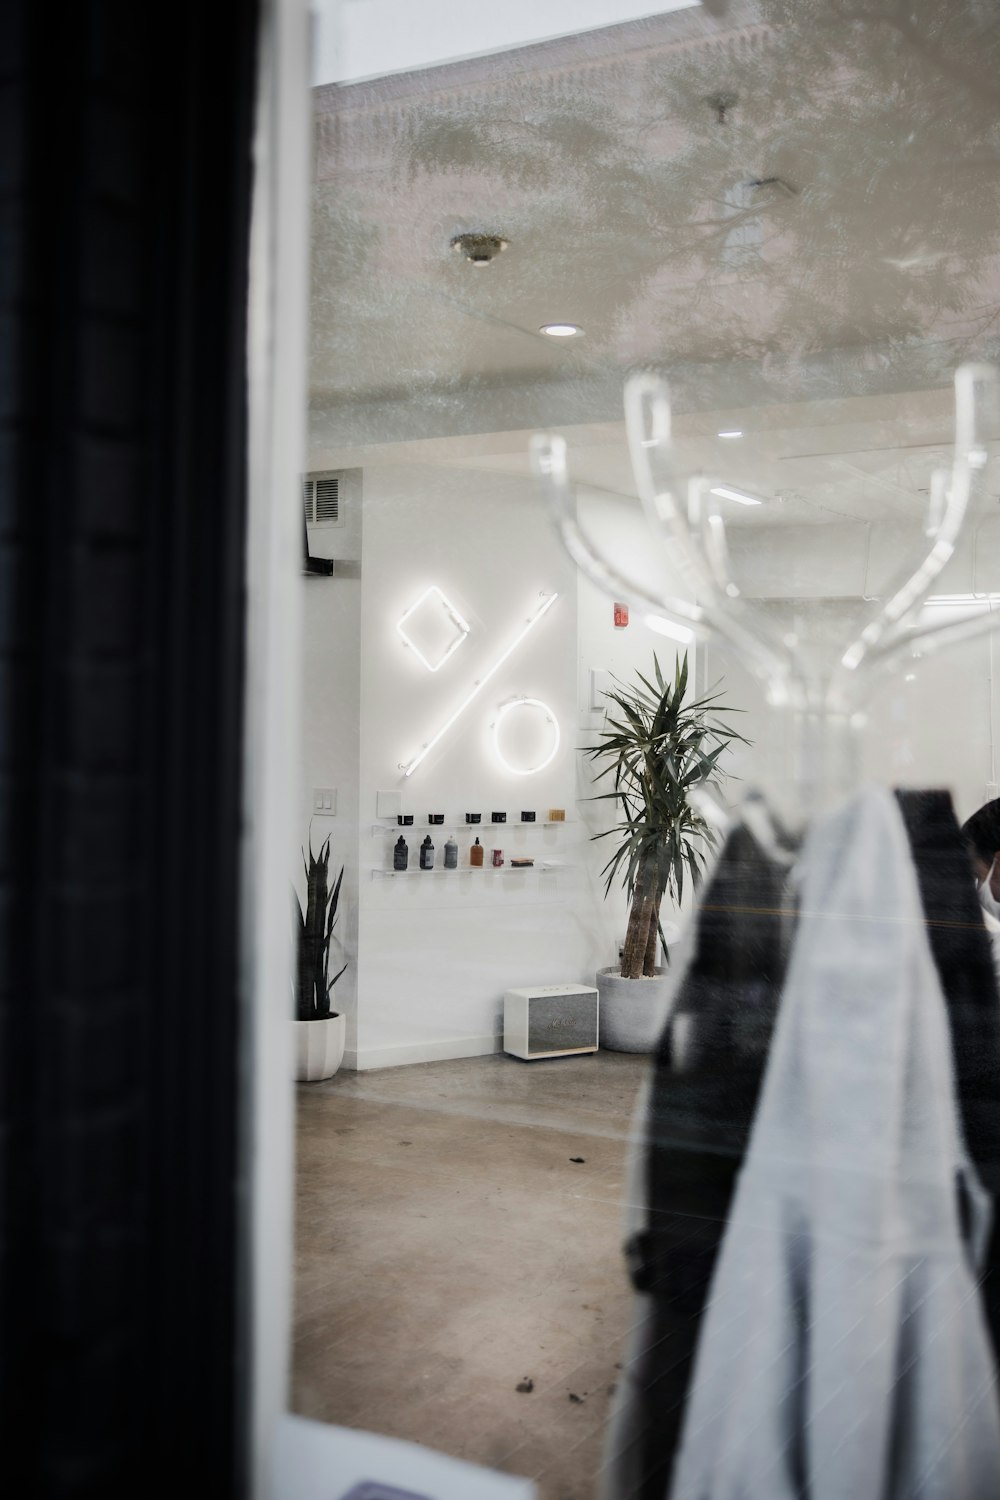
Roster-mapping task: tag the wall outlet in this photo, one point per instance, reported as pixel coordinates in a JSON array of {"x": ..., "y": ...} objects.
[{"x": 325, "y": 801}]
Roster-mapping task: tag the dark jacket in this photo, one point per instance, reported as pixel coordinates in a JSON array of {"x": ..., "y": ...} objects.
[{"x": 706, "y": 1078}]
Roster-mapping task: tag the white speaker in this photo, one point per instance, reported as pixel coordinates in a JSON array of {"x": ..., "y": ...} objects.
[{"x": 552, "y": 1020}]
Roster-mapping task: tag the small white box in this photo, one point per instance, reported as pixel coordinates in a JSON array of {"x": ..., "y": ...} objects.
[{"x": 552, "y": 1020}]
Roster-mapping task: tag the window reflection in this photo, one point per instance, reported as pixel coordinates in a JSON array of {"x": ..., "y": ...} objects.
[{"x": 791, "y": 212}]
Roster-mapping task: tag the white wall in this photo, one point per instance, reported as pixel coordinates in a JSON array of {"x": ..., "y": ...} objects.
[
  {"x": 616, "y": 526},
  {"x": 432, "y": 955},
  {"x": 931, "y": 723},
  {"x": 934, "y": 725},
  {"x": 330, "y": 733},
  {"x": 437, "y": 952}
]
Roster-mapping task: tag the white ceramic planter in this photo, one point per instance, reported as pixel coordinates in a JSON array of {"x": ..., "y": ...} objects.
[
  {"x": 632, "y": 1011},
  {"x": 319, "y": 1048}
]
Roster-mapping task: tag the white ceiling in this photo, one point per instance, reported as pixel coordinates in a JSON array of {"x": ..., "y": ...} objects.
[
  {"x": 825, "y": 323},
  {"x": 360, "y": 39},
  {"x": 863, "y": 458}
]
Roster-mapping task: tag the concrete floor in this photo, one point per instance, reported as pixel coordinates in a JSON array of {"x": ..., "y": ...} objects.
[{"x": 448, "y": 1249}]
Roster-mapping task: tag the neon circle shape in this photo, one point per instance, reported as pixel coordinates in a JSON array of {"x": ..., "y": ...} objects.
[{"x": 556, "y": 736}]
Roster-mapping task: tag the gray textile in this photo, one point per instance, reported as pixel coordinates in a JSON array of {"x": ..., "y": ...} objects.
[
  {"x": 993, "y": 928},
  {"x": 692, "y": 1129},
  {"x": 843, "y": 1354}
]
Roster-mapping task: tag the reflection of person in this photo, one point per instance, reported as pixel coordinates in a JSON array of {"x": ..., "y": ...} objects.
[
  {"x": 981, "y": 833},
  {"x": 982, "y": 836}
]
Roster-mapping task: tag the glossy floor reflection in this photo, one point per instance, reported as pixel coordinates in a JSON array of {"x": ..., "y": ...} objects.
[{"x": 449, "y": 1249}]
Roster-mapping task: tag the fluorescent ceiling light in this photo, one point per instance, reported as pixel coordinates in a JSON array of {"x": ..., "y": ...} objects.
[
  {"x": 560, "y": 330},
  {"x": 738, "y": 495},
  {"x": 679, "y": 633},
  {"x": 734, "y": 432},
  {"x": 542, "y": 609}
]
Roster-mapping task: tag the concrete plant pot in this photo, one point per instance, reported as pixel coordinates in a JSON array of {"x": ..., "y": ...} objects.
[
  {"x": 319, "y": 1048},
  {"x": 632, "y": 1011}
]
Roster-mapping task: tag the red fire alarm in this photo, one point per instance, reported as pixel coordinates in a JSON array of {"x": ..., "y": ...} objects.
[{"x": 621, "y": 616}]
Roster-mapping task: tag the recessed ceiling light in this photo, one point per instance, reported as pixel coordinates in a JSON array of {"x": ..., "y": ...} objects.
[
  {"x": 560, "y": 330},
  {"x": 734, "y": 432},
  {"x": 738, "y": 495}
]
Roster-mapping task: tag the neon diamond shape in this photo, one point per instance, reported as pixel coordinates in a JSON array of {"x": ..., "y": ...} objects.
[{"x": 433, "y": 628}]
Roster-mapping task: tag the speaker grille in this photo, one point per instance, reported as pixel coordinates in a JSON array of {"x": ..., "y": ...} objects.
[{"x": 557, "y": 1023}]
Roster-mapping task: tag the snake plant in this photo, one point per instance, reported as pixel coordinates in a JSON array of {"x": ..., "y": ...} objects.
[{"x": 314, "y": 931}]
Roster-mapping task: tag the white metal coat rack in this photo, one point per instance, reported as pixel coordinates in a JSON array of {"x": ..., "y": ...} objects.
[{"x": 684, "y": 520}]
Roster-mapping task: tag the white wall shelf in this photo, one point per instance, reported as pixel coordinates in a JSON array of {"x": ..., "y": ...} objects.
[
  {"x": 545, "y": 865},
  {"x": 472, "y": 829}
]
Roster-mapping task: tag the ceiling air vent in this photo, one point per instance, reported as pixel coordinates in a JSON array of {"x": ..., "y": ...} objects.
[{"x": 322, "y": 500}]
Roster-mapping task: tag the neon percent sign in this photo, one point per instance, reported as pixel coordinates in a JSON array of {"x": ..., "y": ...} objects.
[{"x": 540, "y": 612}]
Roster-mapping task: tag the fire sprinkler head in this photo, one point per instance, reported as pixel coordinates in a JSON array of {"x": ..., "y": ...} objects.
[
  {"x": 478, "y": 249},
  {"x": 722, "y": 104}
]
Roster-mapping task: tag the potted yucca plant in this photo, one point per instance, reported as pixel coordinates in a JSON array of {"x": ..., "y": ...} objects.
[
  {"x": 319, "y": 1030},
  {"x": 657, "y": 748}
]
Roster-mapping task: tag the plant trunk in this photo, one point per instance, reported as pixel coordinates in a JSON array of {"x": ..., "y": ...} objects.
[
  {"x": 652, "y": 941},
  {"x": 645, "y": 906}
]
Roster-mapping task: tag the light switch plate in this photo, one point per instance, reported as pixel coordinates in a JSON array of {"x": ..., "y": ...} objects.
[
  {"x": 600, "y": 683},
  {"x": 388, "y": 804},
  {"x": 325, "y": 801}
]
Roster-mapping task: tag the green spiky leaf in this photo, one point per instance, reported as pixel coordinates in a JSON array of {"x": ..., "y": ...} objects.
[{"x": 655, "y": 748}]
